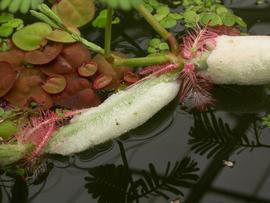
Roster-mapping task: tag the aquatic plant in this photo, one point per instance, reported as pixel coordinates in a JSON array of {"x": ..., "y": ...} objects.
[{"x": 62, "y": 74}]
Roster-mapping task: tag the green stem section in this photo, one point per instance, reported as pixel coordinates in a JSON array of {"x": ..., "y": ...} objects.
[
  {"x": 159, "y": 29},
  {"x": 108, "y": 32},
  {"x": 90, "y": 45},
  {"x": 143, "y": 61}
]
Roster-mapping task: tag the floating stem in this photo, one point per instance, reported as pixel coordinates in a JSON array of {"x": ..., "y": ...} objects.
[{"x": 145, "y": 61}]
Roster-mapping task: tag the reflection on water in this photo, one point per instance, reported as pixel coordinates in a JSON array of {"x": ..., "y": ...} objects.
[{"x": 178, "y": 156}]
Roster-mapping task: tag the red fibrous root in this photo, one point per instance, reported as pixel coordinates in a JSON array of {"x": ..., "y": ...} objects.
[
  {"x": 195, "y": 87},
  {"x": 198, "y": 41},
  {"x": 39, "y": 130}
]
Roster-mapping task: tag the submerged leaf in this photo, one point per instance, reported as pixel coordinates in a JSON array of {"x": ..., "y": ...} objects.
[
  {"x": 75, "y": 12},
  {"x": 32, "y": 36}
]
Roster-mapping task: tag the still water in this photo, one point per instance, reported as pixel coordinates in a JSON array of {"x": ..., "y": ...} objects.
[{"x": 217, "y": 157}]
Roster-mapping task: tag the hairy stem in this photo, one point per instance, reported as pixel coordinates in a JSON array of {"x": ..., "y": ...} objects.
[
  {"x": 159, "y": 29},
  {"x": 108, "y": 33}
]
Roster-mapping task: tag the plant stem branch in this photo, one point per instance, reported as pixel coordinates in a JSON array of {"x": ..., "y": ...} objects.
[
  {"x": 108, "y": 32},
  {"x": 143, "y": 61},
  {"x": 159, "y": 29},
  {"x": 90, "y": 45}
]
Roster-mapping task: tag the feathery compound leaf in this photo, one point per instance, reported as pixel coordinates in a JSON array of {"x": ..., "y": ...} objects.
[
  {"x": 122, "y": 4},
  {"x": 211, "y": 135},
  {"x": 108, "y": 183},
  {"x": 182, "y": 174}
]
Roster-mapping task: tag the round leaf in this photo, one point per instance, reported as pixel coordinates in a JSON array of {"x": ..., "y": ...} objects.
[
  {"x": 45, "y": 56},
  {"x": 210, "y": 19},
  {"x": 32, "y": 36},
  {"x": 228, "y": 19},
  {"x": 55, "y": 84},
  {"x": 88, "y": 69},
  {"x": 62, "y": 36},
  {"x": 75, "y": 12},
  {"x": 7, "y": 129}
]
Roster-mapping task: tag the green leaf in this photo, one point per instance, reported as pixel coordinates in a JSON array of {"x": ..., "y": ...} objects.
[
  {"x": 168, "y": 22},
  {"x": 5, "y": 30},
  {"x": 32, "y": 36},
  {"x": 75, "y": 12},
  {"x": 190, "y": 16},
  {"x": 211, "y": 19},
  {"x": 154, "y": 42},
  {"x": 221, "y": 9},
  {"x": 228, "y": 19},
  {"x": 7, "y": 129},
  {"x": 5, "y": 17},
  {"x": 164, "y": 46},
  {"x": 123, "y": 4},
  {"x": 175, "y": 16},
  {"x": 154, "y": 3},
  {"x": 240, "y": 22},
  {"x": 162, "y": 12},
  {"x": 101, "y": 19},
  {"x": 62, "y": 36},
  {"x": 14, "y": 23}
]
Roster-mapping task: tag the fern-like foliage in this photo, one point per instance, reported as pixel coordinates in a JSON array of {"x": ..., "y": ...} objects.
[
  {"x": 114, "y": 184},
  {"x": 108, "y": 183},
  {"x": 210, "y": 135},
  {"x": 122, "y": 4},
  {"x": 182, "y": 174}
]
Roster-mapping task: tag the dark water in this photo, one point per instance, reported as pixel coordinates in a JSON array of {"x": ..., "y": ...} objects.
[{"x": 191, "y": 147}]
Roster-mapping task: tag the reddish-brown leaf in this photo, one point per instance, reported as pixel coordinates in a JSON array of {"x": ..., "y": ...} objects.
[
  {"x": 77, "y": 94},
  {"x": 55, "y": 84},
  {"x": 131, "y": 77},
  {"x": 40, "y": 57},
  {"x": 88, "y": 69},
  {"x": 105, "y": 68},
  {"x": 102, "y": 81},
  {"x": 9, "y": 75},
  {"x": 58, "y": 66},
  {"x": 15, "y": 57},
  {"x": 27, "y": 88},
  {"x": 76, "y": 54}
]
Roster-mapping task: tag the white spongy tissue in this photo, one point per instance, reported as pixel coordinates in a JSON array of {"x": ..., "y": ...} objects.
[
  {"x": 119, "y": 114},
  {"x": 242, "y": 60}
]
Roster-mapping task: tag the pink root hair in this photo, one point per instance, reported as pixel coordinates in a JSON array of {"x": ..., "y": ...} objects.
[
  {"x": 202, "y": 39},
  {"x": 195, "y": 89},
  {"x": 40, "y": 130},
  {"x": 156, "y": 70}
]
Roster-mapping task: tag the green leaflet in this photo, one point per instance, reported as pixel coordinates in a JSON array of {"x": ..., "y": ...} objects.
[
  {"x": 10, "y": 153},
  {"x": 122, "y": 4}
]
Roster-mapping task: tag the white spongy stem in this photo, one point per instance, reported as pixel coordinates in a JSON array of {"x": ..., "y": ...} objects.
[
  {"x": 120, "y": 113},
  {"x": 241, "y": 60}
]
